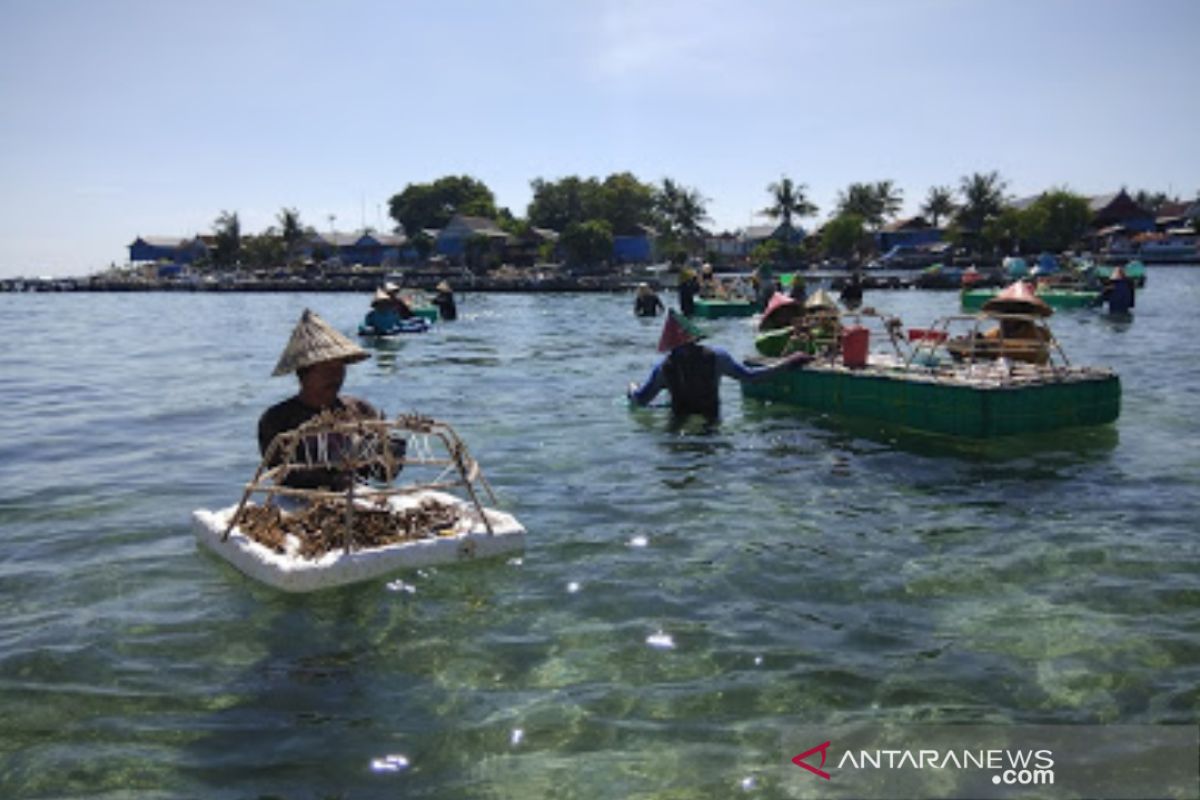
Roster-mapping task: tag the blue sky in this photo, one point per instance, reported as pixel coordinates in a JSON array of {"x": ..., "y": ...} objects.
[{"x": 124, "y": 118}]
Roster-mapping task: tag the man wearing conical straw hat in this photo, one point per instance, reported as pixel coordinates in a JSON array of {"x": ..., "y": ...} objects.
[
  {"x": 318, "y": 355},
  {"x": 444, "y": 300},
  {"x": 692, "y": 372}
]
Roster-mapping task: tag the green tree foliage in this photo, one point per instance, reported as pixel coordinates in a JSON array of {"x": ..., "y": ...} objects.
[
  {"x": 938, "y": 203},
  {"x": 680, "y": 213},
  {"x": 481, "y": 253},
  {"x": 1055, "y": 221},
  {"x": 559, "y": 204},
  {"x": 587, "y": 244},
  {"x": 776, "y": 254},
  {"x": 873, "y": 202},
  {"x": 423, "y": 243},
  {"x": 432, "y": 205},
  {"x": 788, "y": 200},
  {"x": 291, "y": 232},
  {"x": 843, "y": 235},
  {"x": 982, "y": 199},
  {"x": 1152, "y": 201},
  {"x": 1001, "y": 232},
  {"x": 264, "y": 251},
  {"x": 621, "y": 200},
  {"x": 628, "y": 203},
  {"x": 228, "y": 231}
]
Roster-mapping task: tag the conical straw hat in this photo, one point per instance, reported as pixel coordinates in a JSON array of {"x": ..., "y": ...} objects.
[
  {"x": 314, "y": 341},
  {"x": 1019, "y": 298},
  {"x": 820, "y": 299},
  {"x": 677, "y": 330}
]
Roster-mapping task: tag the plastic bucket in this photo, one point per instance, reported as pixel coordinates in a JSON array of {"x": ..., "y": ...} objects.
[{"x": 856, "y": 341}]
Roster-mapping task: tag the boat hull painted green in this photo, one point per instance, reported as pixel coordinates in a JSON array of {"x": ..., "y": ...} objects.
[
  {"x": 973, "y": 299},
  {"x": 716, "y": 309},
  {"x": 426, "y": 312},
  {"x": 955, "y": 409}
]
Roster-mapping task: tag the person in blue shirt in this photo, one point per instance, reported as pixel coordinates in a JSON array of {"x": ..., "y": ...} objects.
[
  {"x": 692, "y": 372},
  {"x": 383, "y": 316}
]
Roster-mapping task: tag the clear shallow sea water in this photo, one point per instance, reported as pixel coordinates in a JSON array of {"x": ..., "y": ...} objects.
[{"x": 686, "y": 597}]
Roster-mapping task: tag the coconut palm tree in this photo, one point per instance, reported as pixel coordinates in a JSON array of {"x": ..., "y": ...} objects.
[
  {"x": 790, "y": 199},
  {"x": 681, "y": 211},
  {"x": 938, "y": 203},
  {"x": 983, "y": 198},
  {"x": 889, "y": 198}
]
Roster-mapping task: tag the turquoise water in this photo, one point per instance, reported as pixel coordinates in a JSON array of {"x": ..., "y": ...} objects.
[{"x": 686, "y": 596}]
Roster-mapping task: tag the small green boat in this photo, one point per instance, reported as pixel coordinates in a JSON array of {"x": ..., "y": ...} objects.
[
  {"x": 426, "y": 312},
  {"x": 973, "y": 299},
  {"x": 922, "y": 386},
  {"x": 718, "y": 309}
]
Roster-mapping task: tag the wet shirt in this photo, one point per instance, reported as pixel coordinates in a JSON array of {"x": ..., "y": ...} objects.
[
  {"x": 446, "y": 306},
  {"x": 722, "y": 363}
]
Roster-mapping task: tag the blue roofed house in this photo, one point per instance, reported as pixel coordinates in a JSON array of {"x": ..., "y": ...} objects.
[
  {"x": 174, "y": 249},
  {"x": 172, "y": 255},
  {"x": 373, "y": 249},
  {"x": 452, "y": 240},
  {"x": 910, "y": 232}
]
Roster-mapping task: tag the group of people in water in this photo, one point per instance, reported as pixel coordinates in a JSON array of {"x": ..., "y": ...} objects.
[
  {"x": 393, "y": 312},
  {"x": 317, "y": 354}
]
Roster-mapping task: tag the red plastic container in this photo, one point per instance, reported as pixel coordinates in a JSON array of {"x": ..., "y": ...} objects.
[{"x": 856, "y": 341}]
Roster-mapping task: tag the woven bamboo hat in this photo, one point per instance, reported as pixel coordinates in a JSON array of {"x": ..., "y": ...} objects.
[
  {"x": 313, "y": 341},
  {"x": 820, "y": 299},
  {"x": 380, "y": 298},
  {"x": 443, "y": 286},
  {"x": 1018, "y": 298}
]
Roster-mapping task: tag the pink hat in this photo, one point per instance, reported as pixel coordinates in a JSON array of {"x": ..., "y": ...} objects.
[
  {"x": 1018, "y": 298},
  {"x": 677, "y": 330}
]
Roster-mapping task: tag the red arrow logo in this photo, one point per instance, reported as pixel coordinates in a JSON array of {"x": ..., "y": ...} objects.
[{"x": 799, "y": 760}]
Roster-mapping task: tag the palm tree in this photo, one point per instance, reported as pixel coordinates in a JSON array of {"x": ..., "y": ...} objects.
[
  {"x": 790, "y": 200},
  {"x": 681, "y": 211},
  {"x": 889, "y": 198},
  {"x": 983, "y": 198},
  {"x": 863, "y": 200},
  {"x": 938, "y": 203}
]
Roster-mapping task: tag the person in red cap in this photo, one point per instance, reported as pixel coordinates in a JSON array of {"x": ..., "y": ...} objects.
[{"x": 692, "y": 372}]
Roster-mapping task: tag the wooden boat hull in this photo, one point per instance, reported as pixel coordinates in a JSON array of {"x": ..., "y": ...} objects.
[
  {"x": 718, "y": 309},
  {"x": 973, "y": 299},
  {"x": 979, "y": 409},
  {"x": 290, "y": 572}
]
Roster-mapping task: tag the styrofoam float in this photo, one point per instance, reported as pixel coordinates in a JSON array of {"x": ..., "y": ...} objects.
[
  {"x": 359, "y": 448},
  {"x": 291, "y": 572}
]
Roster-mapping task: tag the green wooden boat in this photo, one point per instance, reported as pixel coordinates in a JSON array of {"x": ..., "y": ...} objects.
[
  {"x": 973, "y": 299},
  {"x": 717, "y": 309},
  {"x": 426, "y": 312},
  {"x": 924, "y": 388}
]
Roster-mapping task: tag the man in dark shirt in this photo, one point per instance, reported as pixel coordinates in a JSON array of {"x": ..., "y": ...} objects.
[
  {"x": 444, "y": 300},
  {"x": 692, "y": 372},
  {"x": 318, "y": 354}
]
